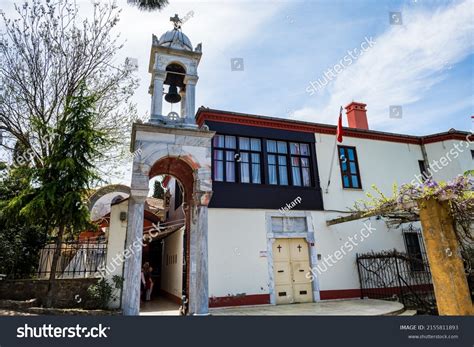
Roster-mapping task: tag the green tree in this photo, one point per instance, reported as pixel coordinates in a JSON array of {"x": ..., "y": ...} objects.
[
  {"x": 158, "y": 190},
  {"x": 149, "y": 5},
  {"x": 47, "y": 49},
  {"x": 20, "y": 240},
  {"x": 66, "y": 176}
]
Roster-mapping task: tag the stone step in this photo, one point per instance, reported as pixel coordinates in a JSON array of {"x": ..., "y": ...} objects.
[{"x": 408, "y": 313}]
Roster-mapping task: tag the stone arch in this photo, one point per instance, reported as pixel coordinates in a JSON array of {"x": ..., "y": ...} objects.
[
  {"x": 176, "y": 62},
  {"x": 172, "y": 151},
  {"x": 184, "y": 153},
  {"x": 111, "y": 188},
  {"x": 177, "y": 168}
]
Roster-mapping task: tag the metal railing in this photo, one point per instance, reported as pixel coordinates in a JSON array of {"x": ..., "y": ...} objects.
[
  {"x": 397, "y": 276},
  {"x": 78, "y": 259}
]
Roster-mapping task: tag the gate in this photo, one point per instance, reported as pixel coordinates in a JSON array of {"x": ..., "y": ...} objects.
[{"x": 397, "y": 276}]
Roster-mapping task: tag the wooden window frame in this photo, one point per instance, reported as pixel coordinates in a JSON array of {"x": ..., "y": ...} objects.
[
  {"x": 415, "y": 266},
  {"x": 236, "y": 161},
  {"x": 250, "y": 162},
  {"x": 289, "y": 166},
  {"x": 264, "y": 164},
  {"x": 348, "y": 173},
  {"x": 299, "y": 156}
]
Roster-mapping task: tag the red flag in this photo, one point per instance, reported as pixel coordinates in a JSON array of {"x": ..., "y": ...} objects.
[{"x": 339, "y": 131}]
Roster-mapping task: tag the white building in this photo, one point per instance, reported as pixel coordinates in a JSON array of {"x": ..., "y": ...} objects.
[{"x": 256, "y": 196}]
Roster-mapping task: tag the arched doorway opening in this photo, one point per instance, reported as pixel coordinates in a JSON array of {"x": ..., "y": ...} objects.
[
  {"x": 184, "y": 154},
  {"x": 166, "y": 244}
]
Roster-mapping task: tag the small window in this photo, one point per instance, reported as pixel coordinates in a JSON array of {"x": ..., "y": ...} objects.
[
  {"x": 349, "y": 167},
  {"x": 472, "y": 154}
]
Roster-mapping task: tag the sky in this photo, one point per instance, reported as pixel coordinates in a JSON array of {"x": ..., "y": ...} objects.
[{"x": 417, "y": 57}]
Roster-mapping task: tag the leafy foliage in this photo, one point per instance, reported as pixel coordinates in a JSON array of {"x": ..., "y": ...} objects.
[
  {"x": 20, "y": 241},
  {"x": 63, "y": 180},
  {"x": 158, "y": 190},
  {"x": 46, "y": 53},
  {"x": 149, "y": 5},
  {"x": 53, "y": 192},
  {"x": 402, "y": 206},
  {"x": 103, "y": 292}
]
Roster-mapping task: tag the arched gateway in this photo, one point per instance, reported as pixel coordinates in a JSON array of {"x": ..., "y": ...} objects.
[{"x": 172, "y": 145}]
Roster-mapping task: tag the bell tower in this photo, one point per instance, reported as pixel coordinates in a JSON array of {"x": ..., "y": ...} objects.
[{"x": 173, "y": 68}]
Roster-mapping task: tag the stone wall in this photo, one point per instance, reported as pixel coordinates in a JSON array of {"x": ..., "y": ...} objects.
[{"x": 70, "y": 293}]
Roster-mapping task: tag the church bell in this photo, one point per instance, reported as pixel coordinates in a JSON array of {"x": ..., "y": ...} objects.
[{"x": 173, "y": 97}]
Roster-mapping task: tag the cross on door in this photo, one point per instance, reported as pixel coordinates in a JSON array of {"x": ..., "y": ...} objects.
[
  {"x": 279, "y": 248},
  {"x": 299, "y": 248}
]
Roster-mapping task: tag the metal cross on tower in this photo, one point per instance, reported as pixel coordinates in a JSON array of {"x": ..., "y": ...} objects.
[{"x": 176, "y": 21}]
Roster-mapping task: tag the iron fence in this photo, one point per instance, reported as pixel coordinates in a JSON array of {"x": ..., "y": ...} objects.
[
  {"x": 78, "y": 259},
  {"x": 397, "y": 276}
]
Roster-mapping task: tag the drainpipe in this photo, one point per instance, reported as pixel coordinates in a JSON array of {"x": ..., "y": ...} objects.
[{"x": 425, "y": 155}]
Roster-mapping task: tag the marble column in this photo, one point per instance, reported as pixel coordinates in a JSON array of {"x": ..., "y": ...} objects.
[
  {"x": 199, "y": 278},
  {"x": 133, "y": 253},
  {"x": 157, "y": 98},
  {"x": 190, "y": 82},
  {"x": 182, "y": 93}
]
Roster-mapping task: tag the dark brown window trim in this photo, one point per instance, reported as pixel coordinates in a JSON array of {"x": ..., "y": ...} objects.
[{"x": 264, "y": 171}]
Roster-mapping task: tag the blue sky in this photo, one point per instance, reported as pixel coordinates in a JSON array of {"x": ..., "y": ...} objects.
[{"x": 425, "y": 65}]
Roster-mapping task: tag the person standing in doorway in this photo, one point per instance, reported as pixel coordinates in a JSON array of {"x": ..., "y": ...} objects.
[{"x": 147, "y": 283}]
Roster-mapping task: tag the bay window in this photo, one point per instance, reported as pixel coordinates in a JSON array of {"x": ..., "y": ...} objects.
[{"x": 240, "y": 159}]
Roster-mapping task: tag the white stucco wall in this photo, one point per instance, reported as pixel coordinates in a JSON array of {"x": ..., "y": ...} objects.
[
  {"x": 115, "y": 245},
  {"x": 450, "y": 158},
  {"x": 343, "y": 272},
  {"x": 381, "y": 163},
  {"x": 172, "y": 271},
  {"x": 236, "y": 237}
]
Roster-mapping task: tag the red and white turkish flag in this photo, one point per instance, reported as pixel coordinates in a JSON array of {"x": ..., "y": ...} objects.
[{"x": 339, "y": 131}]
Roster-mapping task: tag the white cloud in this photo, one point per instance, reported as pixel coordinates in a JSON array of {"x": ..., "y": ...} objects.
[
  {"x": 223, "y": 27},
  {"x": 403, "y": 66}
]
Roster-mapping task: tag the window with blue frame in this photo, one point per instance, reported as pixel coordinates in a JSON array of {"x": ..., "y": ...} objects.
[{"x": 349, "y": 165}]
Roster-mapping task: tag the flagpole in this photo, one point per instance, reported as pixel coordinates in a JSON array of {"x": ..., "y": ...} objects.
[
  {"x": 332, "y": 164},
  {"x": 333, "y": 155}
]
